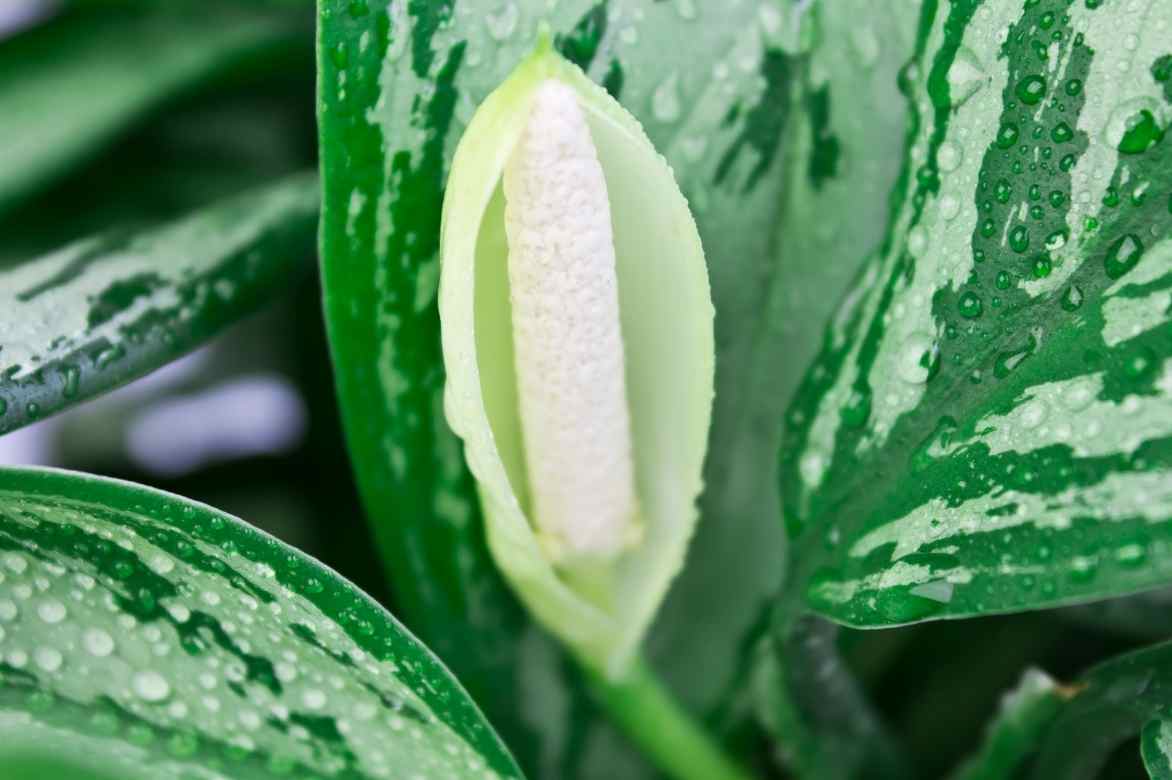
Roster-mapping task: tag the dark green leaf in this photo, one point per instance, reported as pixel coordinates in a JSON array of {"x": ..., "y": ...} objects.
[
  {"x": 105, "y": 310},
  {"x": 988, "y": 425},
  {"x": 72, "y": 84},
  {"x": 1109, "y": 705},
  {"x": 155, "y": 637},
  {"x": 1026, "y": 712}
]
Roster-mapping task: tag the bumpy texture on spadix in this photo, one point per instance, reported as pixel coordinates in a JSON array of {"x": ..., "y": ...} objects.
[
  {"x": 577, "y": 334},
  {"x": 567, "y": 337}
]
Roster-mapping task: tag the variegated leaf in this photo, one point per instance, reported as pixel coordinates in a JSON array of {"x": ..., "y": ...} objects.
[
  {"x": 143, "y": 635},
  {"x": 989, "y": 424},
  {"x": 107, "y": 309}
]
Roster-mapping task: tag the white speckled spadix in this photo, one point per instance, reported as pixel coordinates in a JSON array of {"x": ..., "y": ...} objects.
[{"x": 567, "y": 337}]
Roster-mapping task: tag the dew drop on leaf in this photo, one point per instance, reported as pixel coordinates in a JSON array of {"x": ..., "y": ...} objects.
[
  {"x": 1031, "y": 90},
  {"x": 1123, "y": 255}
]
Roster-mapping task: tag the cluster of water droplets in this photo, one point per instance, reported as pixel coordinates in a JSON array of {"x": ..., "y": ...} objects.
[{"x": 113, "y": 624}]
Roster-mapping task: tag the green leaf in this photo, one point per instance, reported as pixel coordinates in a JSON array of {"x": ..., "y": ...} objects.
[
  {"x": 711, "y": 87},
  {"x": 1110, "y": 704},
  {"x": 105, "y": 310},
  {"x": 1025, "y": 714},
  {"x": 158, "y": 637},
  {"x": 75, "y": 82},
  {"x": 1155, "y": 746},
  {"x": 987, "y": 426}
]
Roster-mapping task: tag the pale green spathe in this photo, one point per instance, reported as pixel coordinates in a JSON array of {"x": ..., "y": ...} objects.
[{"x": 666, "y": 319}]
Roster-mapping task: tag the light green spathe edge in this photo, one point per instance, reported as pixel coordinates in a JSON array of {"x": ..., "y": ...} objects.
[{"x": 667, "y": 317}]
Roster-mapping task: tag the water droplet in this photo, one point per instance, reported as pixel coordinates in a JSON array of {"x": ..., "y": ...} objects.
[
  {"x": 503, "y": 23},
  {"x": 1031, "y": 90},
  {"x": 313, "y": 699},
  {"x": 665, "y": 101},
  {"x": 72, "y": 377},
  {"x": 48, "y": 658},
  {"x": 1072, "y": 298},
  {"x": 51, "y": 611},
  {"x": 1123, "y": 255},
  {"x": 1061, "y": 133},
  {"x": 1079, "y": 395},
  {"x": 8, "y": 610},
  {"x": 1019, "y": 239},
  {"x": 949, "y": 207},
  {"x": 97, "y": 642},
  {"x": 966, "y": 76},
  {"x": 949, "y": 156},
  {"x": 917, "y": 241},
  {"x": 970, "y": 305},
  {"x": 1041, "y": 266},
  {"x": 770, "y": 18},
  {"x": 866, "y": 44},
  {"x": 1006, "y": 135},
  {"x": 339, "y": 56},
  {"x": 1073, "y": 87},
  {"x": 151, "y": 686}
]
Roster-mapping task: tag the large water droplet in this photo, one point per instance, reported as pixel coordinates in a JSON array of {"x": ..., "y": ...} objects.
[
  {"x": 48, "y": 658},
  {"x": 51, "y": 611},
  {"x": 151, "y": 686},
  {"x": 1123, "y": 255},
  {"x": 97, "y": 642},
  {"x": 665, "y": 101},
  {"x": 1031, "y": 90},
  {"x": 965, "y": 76}
]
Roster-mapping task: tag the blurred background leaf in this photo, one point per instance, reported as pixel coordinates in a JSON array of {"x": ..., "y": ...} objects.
[
  {"x": 71, "y": 85},
  {"x": 102, "y": 311}
]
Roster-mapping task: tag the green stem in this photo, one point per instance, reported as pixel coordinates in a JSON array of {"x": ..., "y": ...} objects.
[{"x": 650, "y": 716}]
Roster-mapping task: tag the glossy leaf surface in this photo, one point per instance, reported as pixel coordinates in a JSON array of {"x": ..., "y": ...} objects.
[
  {"x": 105, "y": 310},
  {"x": 986, "y": 428},
  {"x": 72, "y": 84},
  {"x": 157, "y": 637}
]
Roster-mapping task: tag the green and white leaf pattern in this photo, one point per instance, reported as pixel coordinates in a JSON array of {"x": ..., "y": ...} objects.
[
  {"x": 105, "y": 310},
  {"x": 988, "y": 425},
  {"x": 144, "y": 635}
]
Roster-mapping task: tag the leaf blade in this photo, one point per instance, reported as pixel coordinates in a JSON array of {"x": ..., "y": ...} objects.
[
  {"x": 983, "y": 494},
  {"x": 279, "y": 645},
  {"x": 105, "y": 310}
]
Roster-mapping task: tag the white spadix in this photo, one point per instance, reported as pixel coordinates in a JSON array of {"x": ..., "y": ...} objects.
[
  {"x": 567, "y": 335},
  {"x": 577, "y": 339}
]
